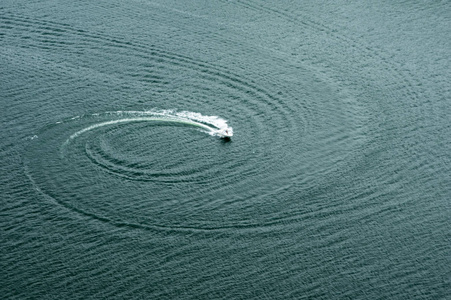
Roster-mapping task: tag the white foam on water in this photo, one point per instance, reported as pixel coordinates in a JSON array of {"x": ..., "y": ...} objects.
[
  {"x": 216, "y": 124},
  {"x": 212, "y": 125}
]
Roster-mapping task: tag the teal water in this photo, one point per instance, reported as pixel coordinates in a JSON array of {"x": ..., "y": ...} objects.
[{"x": 335, "y": 185}]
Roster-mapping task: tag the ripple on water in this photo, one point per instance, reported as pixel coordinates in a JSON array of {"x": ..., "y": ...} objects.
[
  {"x": 293, "y": 133},
  {"x": 131, "y": 171}
]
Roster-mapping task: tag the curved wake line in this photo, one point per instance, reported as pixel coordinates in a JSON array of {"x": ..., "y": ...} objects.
[
  {"x": 142, "y": 119},
  {"x": 212, "y": 124}
]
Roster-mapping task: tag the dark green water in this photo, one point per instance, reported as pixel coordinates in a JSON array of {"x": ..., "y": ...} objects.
[{"x": 335, "y": 185}]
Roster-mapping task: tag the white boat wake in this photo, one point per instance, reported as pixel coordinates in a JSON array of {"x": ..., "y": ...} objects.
[{"x": 212, "y": 125}]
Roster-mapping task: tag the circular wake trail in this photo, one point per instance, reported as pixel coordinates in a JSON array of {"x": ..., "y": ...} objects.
[{"x": 212, "y": 124}]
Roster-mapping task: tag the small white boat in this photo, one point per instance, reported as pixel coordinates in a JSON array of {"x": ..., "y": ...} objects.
[{"x": 226, "y": 133}]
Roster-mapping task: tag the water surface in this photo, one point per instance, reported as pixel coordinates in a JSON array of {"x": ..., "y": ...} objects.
[{"x": 335, "y": 184}]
